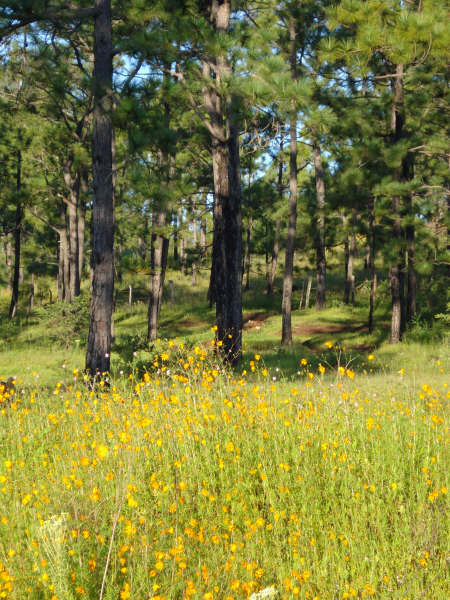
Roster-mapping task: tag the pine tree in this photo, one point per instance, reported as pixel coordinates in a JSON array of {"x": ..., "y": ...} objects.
[{"x": 387, "y": 56}]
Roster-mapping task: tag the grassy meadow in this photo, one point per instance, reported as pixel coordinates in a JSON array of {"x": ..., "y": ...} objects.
[{"x": 317, "y": 472}]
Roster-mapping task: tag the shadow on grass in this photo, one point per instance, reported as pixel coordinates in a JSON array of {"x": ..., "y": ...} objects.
[{"x": 189, "y": 318}]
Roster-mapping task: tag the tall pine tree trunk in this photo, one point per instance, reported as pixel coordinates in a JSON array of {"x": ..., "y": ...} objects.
[
  {"x": 233, "y": 246},
  {"x": 64, "y": 247},
  {"x": 367, "y": 256},
  {"x": 217, "y": 281},
  {"x": 73, "y": 185},
  {"x": 175, "y": 228},
  {"x": 247, "y": 253},
  {"x": 60, "y": 276},
  {"x": 396, "y": 283},
  {"x": 203, "y": 230},
  {"x": 346, "y": 259},
  {"x": 411, "y": 299},
  {"x": 308, "y": 292},
  {"x": 275, "y": 247},
  {"x": 349, "y": 275},
  {"x": 175, "y": 238},
  {"x": 63, "y": 255},
  {"x": 8, "y": 262},
  {"x": 160, "y": 241},
  {"x": 302, "y": 295},
  {"x": 274, "y": 258},
  {"x": 286, "y": 304},
  {"x": 17, "y": 240},
  {"x": 410, "y": 234},
  {"x": 225, "y": 287},
  {"x": 371, "y": 262},
  {"x": 99, "y": 341},
  {"x": 194, "y": 247},
  {"x": 225, "y": 284},
  {"x": 159, "y": 252},
  {"x": 194, "y": 227},
  {"x": 320, "y": 229},
  {"x": 84, "y": 189},
  {"x": 396, "y": 271},
  {"x": 183, "y": 254}
]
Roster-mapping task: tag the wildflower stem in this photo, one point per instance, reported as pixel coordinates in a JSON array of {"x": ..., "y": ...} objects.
[{"x": 108, "y": 558}]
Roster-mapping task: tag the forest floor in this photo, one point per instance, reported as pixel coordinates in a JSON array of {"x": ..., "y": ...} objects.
[
  {"x": 47, "y": 345},
  {"x": 314, "y": 472}
]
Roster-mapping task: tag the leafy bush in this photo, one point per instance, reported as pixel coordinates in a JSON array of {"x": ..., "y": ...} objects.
[
  {"x": 444, "y": 318},
  {"x": 423, "y": 331},
  {"x": 65, "y": 323}
]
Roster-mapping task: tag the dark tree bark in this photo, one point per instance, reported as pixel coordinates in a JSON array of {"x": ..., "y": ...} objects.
[
  {"x": 349, "y": 294},
  {"x": 302, "y": 296},
  {"x": 396, "y": 271},
  {"x": 346, "y": 258},
  {"x": 396, "y": 280},
  {"x": 411, "y": 296},
  {"x": 17, "y": 240},
  {"x": 159, "y": 252},
  {"x": 220, "y": 175},
  {"x": 73, "y": 186},
  {"x": 266, "y": 255},
  {"x": 225, "y": 283},
  {"x": 411, "y": 299},
  {"x": 84, "y": 189},
  {"x": 274, "y": 258},
  {"x": 183, "y": 258},
  {"x": 194, "y": 247},
  {"x": 320, "y": 229},
  {"x": 247, "y": 253},
  {"x": 8, "y": 262},
  {"x": 60, "y": 276},
  {"x": 194, "y": 227},
  {"x": 225, "y": 287},
  {"x": 308, "y": 292},
  {"x": 286, "y": 304},
  {"x": 367, "y": 255},
  {"x": 160, "y": 241},
  {"x": 63, "y": 254},
  {"x": 175, "y": 239},
  {"x": 143, "y": 240},
  {"x": 346, "y": 268},
  {"x": 233, "y": 249},
  {"x": 276, "y": 241},
  {"x": 203, "y": 230},
  {"x": 32, "y": 292},
  {"x": 64, "y": 250},
  {"x": 99, "y": 341},
  {"x": 371, "y": 262}
]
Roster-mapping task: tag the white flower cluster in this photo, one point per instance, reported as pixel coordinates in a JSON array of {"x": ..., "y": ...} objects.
[{"x": 269, "y": 592}]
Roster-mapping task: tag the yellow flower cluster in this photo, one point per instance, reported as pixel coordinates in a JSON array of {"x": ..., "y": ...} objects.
[{"x": 206, "y": 484}]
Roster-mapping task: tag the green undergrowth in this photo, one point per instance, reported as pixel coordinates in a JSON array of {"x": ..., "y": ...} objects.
[{"x": 50, "y": 342}]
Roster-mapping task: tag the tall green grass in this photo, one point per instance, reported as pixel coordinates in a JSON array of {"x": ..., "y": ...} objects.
[{"x": 194, "y": 482}]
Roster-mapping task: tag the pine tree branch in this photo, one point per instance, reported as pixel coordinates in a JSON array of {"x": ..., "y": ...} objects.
[
  {"x": 133, "y": 74},
  {"x": 45, "y": 221},
  {"x": 69, "y": 12},
  {"x": 180, "y": 76},
  {"x": 76, "y": 51}
]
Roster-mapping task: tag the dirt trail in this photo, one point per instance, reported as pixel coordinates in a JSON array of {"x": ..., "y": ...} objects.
[
  {"x": 254, "y": 320},
  {"x": 312, "y": 328}
]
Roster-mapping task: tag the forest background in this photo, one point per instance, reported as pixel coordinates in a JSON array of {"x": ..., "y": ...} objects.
[
  {"x": 207, "y": 128},
  {"x": 224, "y": 299}
]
